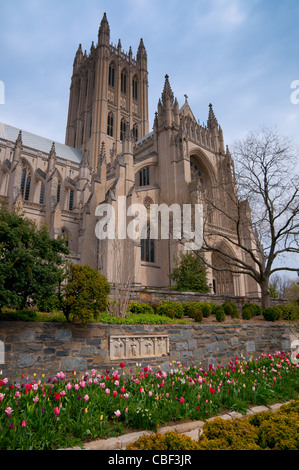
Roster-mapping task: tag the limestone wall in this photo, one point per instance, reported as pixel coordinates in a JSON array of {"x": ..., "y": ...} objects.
[{"x": 47, "y": 348}]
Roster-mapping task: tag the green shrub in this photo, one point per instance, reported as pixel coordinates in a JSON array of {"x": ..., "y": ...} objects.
[
  {"x": 171, "y": 440},
  {"x": 271, "y": 313},
  {"x": 140, "y": 308},
  {"x": 198, "y": 316},
  {"x": 21, "y": 315},
  {"x": 190, "y": 311},
  {"x": 166, "y": 305},
  {"x": 221, "y": 434},
  {"x": 249, "y": 310},
  {"x": 220, "y": 314},
  {"x": 267, "y": 430},
  {"x": 170, "y": 313},
  {"x": 289, "y": 312},
  {"x": 231, "y": 309},
  {"x": 51, "y": 304},
  {"x": 278, "y": 430},
  {"x": 85, "y": 294},
  {"x": 214, "y": 308},
  {"x": 205, "y": 307}
]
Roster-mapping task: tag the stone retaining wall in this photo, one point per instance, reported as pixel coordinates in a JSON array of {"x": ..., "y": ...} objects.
[{"x": 47, "y": 348}]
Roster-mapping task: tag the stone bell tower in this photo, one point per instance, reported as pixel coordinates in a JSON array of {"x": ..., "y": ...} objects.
[{"x": 108, "y": 92}]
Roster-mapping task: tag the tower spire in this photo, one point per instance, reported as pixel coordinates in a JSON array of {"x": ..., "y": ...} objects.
[
  {"x": 104, "y": 32},
  {"x": 212, "y": 121},
  {"x": 167, "y": 91}
]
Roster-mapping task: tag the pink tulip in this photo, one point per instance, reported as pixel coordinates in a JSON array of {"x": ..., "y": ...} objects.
[
  {"x": 86, "y": 398},
  {"x": 23, "y": 424},
  {"x": 117, "y": 413},
  {"x": 56, "y": 411},
  {"x": 8, "y": 411}
]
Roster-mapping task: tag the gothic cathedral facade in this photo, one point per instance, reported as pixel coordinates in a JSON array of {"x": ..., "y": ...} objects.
[{"x": 110, "y": 155}]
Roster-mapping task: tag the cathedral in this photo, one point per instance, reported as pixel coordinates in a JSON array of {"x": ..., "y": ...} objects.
[{"x": 110, "y": 154}]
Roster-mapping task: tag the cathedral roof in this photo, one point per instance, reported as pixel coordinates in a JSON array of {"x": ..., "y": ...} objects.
[{"x": 40, "y": 144}]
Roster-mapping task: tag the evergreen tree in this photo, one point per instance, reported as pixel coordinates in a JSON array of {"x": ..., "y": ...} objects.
[{"x": 190, "y": 274}]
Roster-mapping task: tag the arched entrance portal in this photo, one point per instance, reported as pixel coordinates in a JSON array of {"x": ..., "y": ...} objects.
[{"x": 223, "y": 281}]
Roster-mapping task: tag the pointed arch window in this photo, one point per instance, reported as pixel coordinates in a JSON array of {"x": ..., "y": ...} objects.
[
  {"x": 122, "y": 129},
  {"x": 71, "y": 200},
  {"x": 110, "y": 125},
  {"x": 135, "y": 88},
  {"x": 123, "y": 82},
  {"x": 111, "y": 77},
  {"x": 148, "y": 248},
  {"x": 58, "y": 192},
  {"x": 42, "y": 193},
  {"x": 144, "y": 177},
  {"x": 135, "y": 132},
  {"x": 25, "y": 182}
]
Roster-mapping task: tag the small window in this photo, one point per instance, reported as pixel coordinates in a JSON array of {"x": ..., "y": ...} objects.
[
  {"x": 144, "y": 177},
  {"x": 123, "y": 82},
  {"x": 42, "y": 193},
  {"x": 58, "y": 192},
  {"x": 71, "y": 200},
  {"x": 25, "y": 182},
  {"x": 110, "y": 125},
  {"x": 135, "y": 132},
  {"x": 111, "y": 75},
  {"x": 135, "y": 88},
  {"x": 148, "y": 249}
]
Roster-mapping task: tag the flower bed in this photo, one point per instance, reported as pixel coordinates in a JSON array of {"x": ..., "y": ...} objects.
[{"x": 65, "y": 412}]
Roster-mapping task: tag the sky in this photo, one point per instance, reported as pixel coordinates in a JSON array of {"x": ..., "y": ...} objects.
[{"x": 239, "y": 55}]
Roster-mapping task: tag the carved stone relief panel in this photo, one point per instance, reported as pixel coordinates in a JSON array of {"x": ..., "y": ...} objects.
[{"x": 130, "y": 347}]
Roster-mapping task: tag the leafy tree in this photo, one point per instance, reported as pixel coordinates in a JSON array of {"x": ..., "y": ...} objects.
[
  {"x": 31, "y": 262},
  {"x": 190, "y": 274},
  {"x": 85, "y": 293}
]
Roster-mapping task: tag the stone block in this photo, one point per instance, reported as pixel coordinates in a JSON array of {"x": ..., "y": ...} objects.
[
  {"x": 182, "y": 347},
  {"x": 63, "y": 335},
  {"x": 73, "y": 363},
  {"x": 250, "y": 346},
  {"x": 26, "y": 360},
  {"x": 27, "y": 336}
]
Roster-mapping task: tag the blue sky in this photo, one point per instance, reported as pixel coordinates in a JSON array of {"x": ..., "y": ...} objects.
[{"x": 240, "y": 55}]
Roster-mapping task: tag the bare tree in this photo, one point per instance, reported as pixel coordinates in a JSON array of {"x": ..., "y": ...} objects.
[{"x": 257, "y": 210}]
